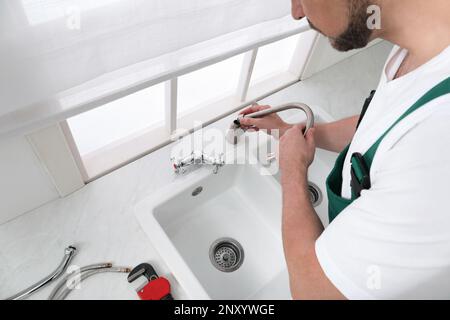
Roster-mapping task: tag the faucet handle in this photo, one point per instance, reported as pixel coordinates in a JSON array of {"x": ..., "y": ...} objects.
[
  {"x": 218, "y": 162},
  {"x": 197, "y": 158},
  {"x": 178, "y": 165}
]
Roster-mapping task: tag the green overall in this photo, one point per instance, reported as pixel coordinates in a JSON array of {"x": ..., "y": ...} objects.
[{"x": 336, "y": 203}]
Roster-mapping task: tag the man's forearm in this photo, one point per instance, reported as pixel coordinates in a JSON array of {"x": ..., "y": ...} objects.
[
  {"x": 301, "y": 228},
  {"x": 335, "y": 136}
]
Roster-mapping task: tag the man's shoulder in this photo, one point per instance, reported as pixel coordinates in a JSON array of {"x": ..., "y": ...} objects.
[{"x": 420, "y": 155}]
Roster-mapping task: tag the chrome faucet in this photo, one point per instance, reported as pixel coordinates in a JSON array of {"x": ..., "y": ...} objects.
[
  {"x": 69, "y": 253},
  {"x": 197, "y": 158},
  {"x": 236, "y": 130}
]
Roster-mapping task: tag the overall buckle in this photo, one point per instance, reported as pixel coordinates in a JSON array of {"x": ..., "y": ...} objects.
[{"x": 360, "y": 178}]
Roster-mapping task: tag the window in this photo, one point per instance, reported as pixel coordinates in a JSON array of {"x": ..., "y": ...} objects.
[
  {"x": 208, "y": 85},
  {"x": 112, "y": 135},
  {"x": 274, "y": 59},
  {"x": 117, "y": 120}
]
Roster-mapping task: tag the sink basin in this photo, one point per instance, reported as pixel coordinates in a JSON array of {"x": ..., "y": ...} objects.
[
  {"x": 237, "y": 203},
  {"x": 185, "y": 220}
]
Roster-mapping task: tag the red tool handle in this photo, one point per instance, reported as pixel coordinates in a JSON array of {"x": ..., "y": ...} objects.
[{"x": 157, "y": 289}]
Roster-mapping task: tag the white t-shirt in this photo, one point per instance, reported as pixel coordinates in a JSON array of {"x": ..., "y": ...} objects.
[{"x": 394, "y": 241}]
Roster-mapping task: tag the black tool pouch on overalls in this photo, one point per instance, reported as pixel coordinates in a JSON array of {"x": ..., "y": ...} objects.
[
  {"x": 360, "y": 178},
  {"x": 365, "y": 107},
  {"x": 360, "y": 175}
]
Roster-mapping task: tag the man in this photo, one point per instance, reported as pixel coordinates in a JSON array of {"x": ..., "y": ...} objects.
[{"x": 389, "y": 235}]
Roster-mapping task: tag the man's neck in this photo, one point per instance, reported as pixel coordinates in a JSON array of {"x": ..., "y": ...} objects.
[{"x": 420, "y": 26}]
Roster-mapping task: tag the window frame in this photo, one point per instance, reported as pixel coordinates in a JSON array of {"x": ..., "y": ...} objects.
[{"x": 124, "y": 151}]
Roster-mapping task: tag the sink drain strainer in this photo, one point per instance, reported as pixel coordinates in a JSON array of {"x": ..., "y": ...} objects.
[
  {"x": 314, "y": 194},
  {"x": 226, "y": 254}
]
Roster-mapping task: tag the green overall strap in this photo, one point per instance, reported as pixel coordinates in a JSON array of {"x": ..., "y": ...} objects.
[{"x": 439, "y": 90}]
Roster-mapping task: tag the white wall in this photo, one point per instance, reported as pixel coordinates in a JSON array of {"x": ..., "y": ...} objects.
[
  {"x": 341, "y": 89},
  {"x": 324, "y": 55},
  {"x": 24, "y": 184}
]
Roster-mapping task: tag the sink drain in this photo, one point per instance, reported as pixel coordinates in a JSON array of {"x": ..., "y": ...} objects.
[
  {"x": 314, "y": 194},
  {"x": 226, "y": 254},
  {"x": 197, "y": 191}
]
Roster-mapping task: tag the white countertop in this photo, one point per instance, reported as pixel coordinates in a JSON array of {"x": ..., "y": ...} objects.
[{"x": 99, "y": 219}]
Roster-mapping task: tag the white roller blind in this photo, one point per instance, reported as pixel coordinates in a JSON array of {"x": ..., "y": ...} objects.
[{"x": 51, "y": 50}]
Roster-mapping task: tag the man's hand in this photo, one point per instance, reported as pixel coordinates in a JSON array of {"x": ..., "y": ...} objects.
[
  {"x": 270, "y": 123},
  {"x": 296, "y": 152}
]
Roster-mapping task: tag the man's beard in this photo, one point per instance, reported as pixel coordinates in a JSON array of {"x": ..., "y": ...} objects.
[{"x": 357, "y": 35}]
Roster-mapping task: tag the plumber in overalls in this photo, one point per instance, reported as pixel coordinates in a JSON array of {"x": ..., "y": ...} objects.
[{"x": 389, "y": 212}]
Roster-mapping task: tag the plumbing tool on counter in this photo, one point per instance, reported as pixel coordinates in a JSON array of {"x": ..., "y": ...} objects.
[
  {"x": 149, "y": 285},
  {"x": 70, "y": 281}
]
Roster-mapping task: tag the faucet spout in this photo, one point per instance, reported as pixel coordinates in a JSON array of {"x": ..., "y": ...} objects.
[
  {"x": 236, "y": 130},
  {"x": 69, "y": 253}
]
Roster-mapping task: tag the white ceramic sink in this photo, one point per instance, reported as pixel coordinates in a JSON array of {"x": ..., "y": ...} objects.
[{"x": 239, "y": 203}]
